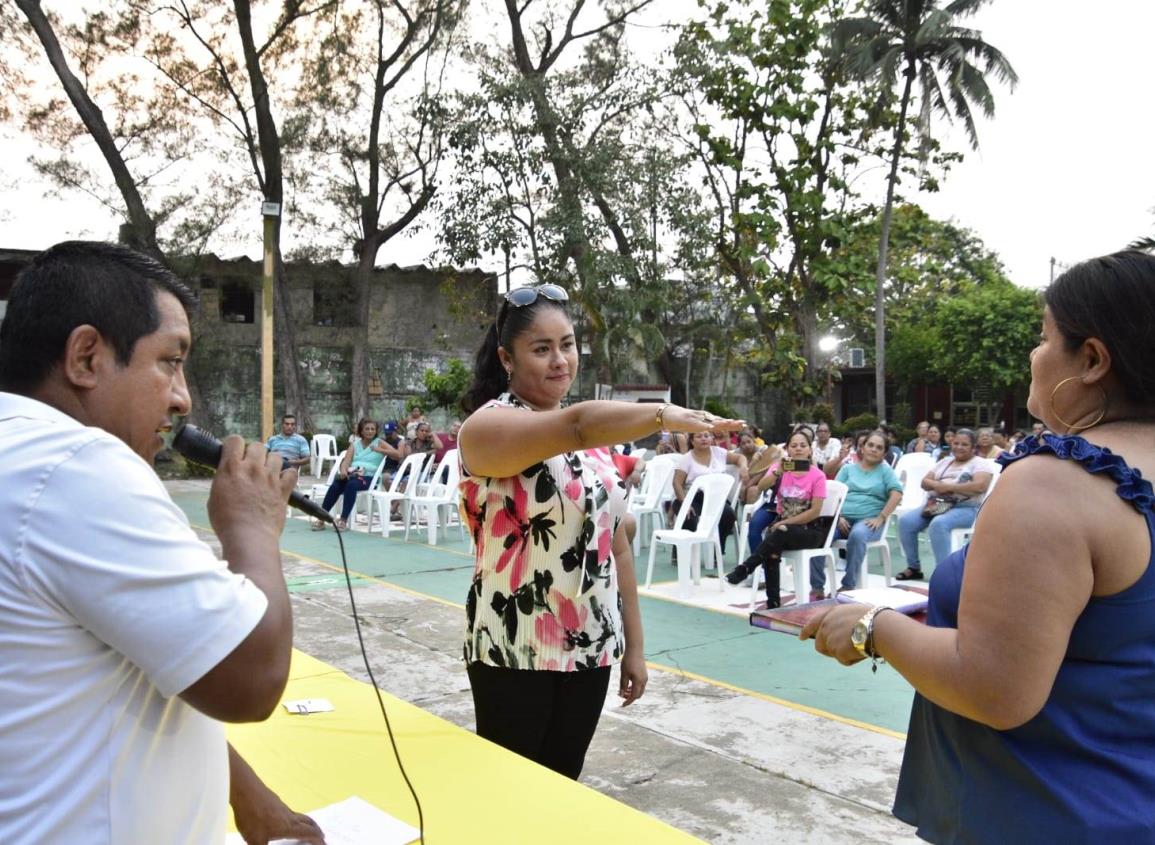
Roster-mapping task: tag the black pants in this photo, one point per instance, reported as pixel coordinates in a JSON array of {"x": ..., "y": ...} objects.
[
  {"x": 769, "y": 552},
  {"x": 549, "y": 717},
  {"x": 725, "y": 521}
]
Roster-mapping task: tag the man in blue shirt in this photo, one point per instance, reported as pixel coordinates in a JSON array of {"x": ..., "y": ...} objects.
[{"x": 292, "y": 447}]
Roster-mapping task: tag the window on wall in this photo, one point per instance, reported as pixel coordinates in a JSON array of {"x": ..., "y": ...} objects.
[
  {"x": 333, "y": 303},
  {"x": 238, "y": 303}
]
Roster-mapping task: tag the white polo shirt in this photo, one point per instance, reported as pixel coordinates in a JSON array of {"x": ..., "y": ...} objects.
[{"x": 109, "y": 607}]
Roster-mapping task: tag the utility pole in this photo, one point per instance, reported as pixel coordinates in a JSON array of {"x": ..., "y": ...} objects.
[{"x": 270, "y": 211}]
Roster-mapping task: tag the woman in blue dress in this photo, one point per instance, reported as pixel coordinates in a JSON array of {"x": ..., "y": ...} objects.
[{"x": 1034, "y": 718}]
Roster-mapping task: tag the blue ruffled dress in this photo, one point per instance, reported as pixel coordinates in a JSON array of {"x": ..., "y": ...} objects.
[{"x": 1083, "y": 769}]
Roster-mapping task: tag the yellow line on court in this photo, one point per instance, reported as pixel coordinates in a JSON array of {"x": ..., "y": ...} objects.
[
  {"x": 793, "y": 705},
  {"x": 661, "y": 667}
]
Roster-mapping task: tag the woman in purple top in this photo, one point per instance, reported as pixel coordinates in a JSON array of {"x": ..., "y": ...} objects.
[{"x": 1034, "y": 719}]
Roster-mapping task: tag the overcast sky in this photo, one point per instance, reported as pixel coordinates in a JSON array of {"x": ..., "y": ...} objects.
[{"x": 1064, "y": 169}]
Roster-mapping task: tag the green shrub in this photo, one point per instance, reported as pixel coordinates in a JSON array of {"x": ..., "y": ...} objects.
[
  {"x": 853, "y": 424},
  {"x": 819, "y": 412},
  {"x": 721, "y": 409},
  {"x": 444, "y": 390}
]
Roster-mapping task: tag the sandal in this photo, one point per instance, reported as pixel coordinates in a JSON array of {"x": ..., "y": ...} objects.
[
  {"x": 909, "y": 574},
  {"x": 316, "y": 525}
]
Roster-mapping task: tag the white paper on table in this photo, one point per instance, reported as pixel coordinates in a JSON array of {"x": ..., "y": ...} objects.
[
  {"x": 353, "y": 821},
  {"x": 309, "y": 705}
]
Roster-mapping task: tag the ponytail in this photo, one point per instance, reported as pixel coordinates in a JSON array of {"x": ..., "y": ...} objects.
[{"x": 489, "y": 377}]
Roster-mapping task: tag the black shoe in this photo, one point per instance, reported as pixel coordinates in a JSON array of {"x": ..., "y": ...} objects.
[
  {"x": 909, "y": 574},
  {"x": 739, "y": 574}
]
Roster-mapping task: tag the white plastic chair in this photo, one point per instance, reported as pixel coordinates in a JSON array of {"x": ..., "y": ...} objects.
[
  {"x": 440, "y": 499},
  {"x": 799, "y": 559},
  {"x": 322, "y": 448},
  {"x": 402, "y": 487},
  {"x": 737, "y": 506},
  {"x": 648, "y": 499},
  {"x": 317, "y": 491},
  {"x": 911, "y": 470},
  {"x": 364, "y": 503},
  {"x": 959, "y": 537},
  {"x": 881, "y": 545},
  {"x": 715, "y": 487}
]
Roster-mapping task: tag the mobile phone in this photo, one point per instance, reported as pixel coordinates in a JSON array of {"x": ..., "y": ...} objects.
[{"x": 800, "y": 465}]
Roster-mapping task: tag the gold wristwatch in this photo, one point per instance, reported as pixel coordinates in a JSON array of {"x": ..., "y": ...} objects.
[{"x": 862, "y": 635}]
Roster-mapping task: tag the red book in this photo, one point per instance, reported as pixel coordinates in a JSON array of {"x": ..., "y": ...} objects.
[{"x": 793, "y": 618}]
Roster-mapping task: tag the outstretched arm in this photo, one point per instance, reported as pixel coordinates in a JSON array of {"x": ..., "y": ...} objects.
[{"x": 499, "y": 442}]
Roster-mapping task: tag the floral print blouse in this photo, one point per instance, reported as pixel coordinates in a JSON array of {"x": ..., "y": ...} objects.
[{"x": 545, "y": 591}]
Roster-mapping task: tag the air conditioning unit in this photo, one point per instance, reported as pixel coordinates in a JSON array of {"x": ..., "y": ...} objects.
[{"x": 857, "y": 358}]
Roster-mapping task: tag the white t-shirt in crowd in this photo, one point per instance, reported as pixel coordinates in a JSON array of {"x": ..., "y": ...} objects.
[
  {"x": 109, "y": 607},
  {"x": 824, "y": 454},
  {"x": 693, "y": 469}
]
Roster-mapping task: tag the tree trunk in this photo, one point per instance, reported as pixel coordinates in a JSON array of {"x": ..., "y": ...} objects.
[
  {"x": 359, "y": 376},
  {"x": 285, "y": 345},
  {"x": 269, "y": 144},
  {"x": 883, "y": 247}
]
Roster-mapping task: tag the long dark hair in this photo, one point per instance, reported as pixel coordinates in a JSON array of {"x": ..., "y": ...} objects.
[
  {"x": 489, "y": 376},
  {"x": 1112, "y": 298}
]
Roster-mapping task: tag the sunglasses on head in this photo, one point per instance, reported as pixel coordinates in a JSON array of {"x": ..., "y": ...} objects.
[{"x": 521, "y": 297}]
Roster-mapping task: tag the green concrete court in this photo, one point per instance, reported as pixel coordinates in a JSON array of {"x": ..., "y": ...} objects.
[{"x": 712, "y": 645}]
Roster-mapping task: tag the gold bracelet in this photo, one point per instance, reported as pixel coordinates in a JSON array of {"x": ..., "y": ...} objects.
[{"x": 658, "y": 417}]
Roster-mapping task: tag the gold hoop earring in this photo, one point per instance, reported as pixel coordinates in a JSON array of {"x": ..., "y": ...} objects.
[{"x": 1071, "y": 428}]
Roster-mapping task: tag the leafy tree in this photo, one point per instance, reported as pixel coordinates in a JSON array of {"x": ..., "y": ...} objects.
[
  {"x": 562, "y": 168},
  {"x": 369, "y": 101},
  {"x": 919, "y": 40},
  {"x": 148, "y": 73},
  {"x": 777, "y": 129},
  {"x": 986, "y": 336},
  {"x": 128, "y": 145},
  {"x": 236, "y": 92},
  {"x": 929, "y": 261}
]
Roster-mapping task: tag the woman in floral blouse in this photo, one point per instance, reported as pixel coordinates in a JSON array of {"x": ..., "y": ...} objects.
[{"x": 553, "y": 603}]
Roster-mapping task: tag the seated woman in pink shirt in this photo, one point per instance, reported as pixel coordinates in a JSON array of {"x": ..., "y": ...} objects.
[{"x": 800, "y": 497}]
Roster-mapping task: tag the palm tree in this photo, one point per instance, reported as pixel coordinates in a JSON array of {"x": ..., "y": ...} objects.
[{"x": 923, "y": 42}]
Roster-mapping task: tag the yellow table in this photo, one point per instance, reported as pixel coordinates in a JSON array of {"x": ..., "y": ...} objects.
[{"x": 471, "y": 790}]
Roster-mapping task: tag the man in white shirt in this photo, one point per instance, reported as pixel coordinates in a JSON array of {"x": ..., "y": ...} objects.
[
  {"x": 124, "y": 642},
  {"x": 825, "y": 448}
]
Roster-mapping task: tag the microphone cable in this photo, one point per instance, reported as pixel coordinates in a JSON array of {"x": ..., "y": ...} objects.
[{"x": 377, "y": 689}]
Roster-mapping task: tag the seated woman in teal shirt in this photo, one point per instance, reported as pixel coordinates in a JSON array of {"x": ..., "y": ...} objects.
[
  {"x": 873, "y": 493},
  {"x": 355, "y": 473}
]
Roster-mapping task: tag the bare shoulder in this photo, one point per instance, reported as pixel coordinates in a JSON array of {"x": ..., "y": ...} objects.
[{"x": 479, "y": 426}]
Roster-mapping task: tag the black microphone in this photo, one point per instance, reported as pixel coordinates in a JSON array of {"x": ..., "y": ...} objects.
[{"x": 198, "y": 446}]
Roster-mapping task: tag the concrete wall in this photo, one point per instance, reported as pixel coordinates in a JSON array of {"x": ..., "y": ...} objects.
[{"x": 420, "y": 318}]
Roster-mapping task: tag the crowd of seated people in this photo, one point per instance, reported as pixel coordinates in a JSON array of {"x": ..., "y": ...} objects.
[
  {"x": 370, "y": 445},
  {"x": 954, "y": 484}
]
